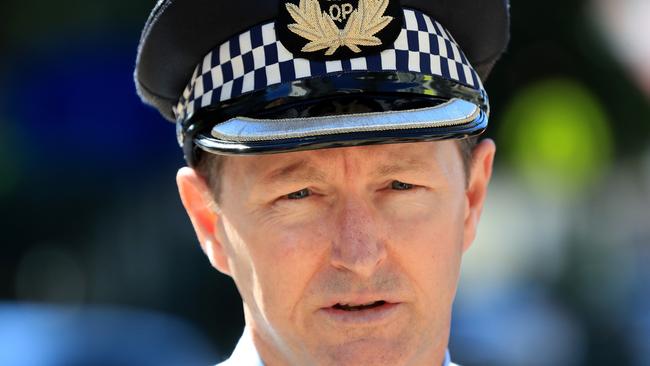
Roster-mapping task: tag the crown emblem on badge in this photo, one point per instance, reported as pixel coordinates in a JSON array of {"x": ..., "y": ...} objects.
[{"x": 320, "y": 29}]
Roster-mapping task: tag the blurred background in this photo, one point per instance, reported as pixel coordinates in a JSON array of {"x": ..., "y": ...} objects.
[{"x": 100, "y": 265}]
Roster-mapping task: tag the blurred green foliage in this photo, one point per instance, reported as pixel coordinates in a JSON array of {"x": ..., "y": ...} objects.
[{"x": 557, "y": 136}]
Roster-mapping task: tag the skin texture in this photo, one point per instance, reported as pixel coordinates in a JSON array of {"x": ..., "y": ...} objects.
[{"x": 300, "y": 232}]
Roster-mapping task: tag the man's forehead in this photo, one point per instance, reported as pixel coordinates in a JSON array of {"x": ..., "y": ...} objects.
[{"x": 379, "y": 159}]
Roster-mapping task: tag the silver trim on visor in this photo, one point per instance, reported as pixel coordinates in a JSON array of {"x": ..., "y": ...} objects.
[{"x": 243, "y": 129}]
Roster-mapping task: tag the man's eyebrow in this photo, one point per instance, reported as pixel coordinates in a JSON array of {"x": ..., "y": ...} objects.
[
  {"x": 408, "y": 165},
  {"x": 300, "y": 170}
]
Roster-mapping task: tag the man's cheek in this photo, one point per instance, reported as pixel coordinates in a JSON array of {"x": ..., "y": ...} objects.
[
  {"x": 298, "y": 245},
  {"x": 422, "y": 230},
  {"x": 282, "y": 294},
  {"x": 285, "y": 261}
]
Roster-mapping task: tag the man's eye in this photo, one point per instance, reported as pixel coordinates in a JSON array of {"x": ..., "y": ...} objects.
[
  {"x": 303, "y": 193},
  {"x": 400, "y": 186}
]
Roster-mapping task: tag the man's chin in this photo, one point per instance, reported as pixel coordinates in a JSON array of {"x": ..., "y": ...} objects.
[{"x": 368, "y": 351}]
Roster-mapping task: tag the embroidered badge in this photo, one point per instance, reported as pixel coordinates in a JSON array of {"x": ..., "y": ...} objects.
[{"x": 338, "y": 28}]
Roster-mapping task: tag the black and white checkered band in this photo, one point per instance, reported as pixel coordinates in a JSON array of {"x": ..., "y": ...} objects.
[{"x": 254, "y": 60}]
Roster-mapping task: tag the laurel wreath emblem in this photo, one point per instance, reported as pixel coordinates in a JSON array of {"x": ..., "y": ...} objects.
[{"x": 319, "y": 28}]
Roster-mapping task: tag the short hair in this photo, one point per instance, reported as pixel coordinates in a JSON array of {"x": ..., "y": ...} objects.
[{"x": 210, "y": 166}]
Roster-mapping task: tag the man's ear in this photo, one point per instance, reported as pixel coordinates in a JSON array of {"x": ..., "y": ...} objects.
[
  {"x": 480, "y": 173},
  {"x": 204, "y": 214}
]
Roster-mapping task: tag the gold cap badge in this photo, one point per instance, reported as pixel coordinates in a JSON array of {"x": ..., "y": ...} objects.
[{"x": 337, "y": 25}]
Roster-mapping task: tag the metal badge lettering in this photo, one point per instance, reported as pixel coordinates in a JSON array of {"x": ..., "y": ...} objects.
[{"x": 319, "y": 27}]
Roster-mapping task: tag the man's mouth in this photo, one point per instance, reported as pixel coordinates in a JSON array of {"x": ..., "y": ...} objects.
[
  {"x": 361, "y": 313},
  {"x": 353, "y": 307}
]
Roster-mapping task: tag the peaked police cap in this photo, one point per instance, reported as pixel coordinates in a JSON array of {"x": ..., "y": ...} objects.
[{"x": 261, "y": 76}]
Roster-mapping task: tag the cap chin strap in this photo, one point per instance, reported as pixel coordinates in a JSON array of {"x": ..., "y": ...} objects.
[{"x": 243, "y": 129}]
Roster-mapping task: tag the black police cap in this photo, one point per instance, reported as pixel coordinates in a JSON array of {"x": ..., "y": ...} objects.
[{"x": 269, "y": 76}]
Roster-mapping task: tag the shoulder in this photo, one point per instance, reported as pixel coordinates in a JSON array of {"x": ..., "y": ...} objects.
[
  {"x": 239, "y": 359},
  {"x": 245, "y": 353},
  {"x": 227, "y": 362}
]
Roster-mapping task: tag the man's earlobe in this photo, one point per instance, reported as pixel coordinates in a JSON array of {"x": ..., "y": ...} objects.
[
  {"x": 480, "y": 174},
  {"x": 204, "y": 215}
]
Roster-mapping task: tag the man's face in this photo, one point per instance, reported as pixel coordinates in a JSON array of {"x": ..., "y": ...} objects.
[{"x": 346, "y": 256}]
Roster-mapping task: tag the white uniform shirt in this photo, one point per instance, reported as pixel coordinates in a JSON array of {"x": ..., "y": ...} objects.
[{"x": 245, "y": 353}]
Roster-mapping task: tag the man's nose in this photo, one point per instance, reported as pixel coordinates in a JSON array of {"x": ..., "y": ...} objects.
[{"x": 359, "y": 246}]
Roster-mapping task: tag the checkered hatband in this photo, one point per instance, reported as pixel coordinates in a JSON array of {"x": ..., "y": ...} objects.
[{"x": 255, "y": 59}]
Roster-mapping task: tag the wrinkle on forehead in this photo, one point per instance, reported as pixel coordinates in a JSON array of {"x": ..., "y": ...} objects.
[{"x": 375, "y": 160}]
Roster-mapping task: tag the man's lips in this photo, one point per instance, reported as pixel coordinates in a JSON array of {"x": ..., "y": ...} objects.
[
  {"x": 359, "y": 307},
  {"x": 360, "y": 311},
  {"x": 360, "y": 301}
]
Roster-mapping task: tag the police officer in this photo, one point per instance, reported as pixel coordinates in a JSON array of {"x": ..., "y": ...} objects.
[{"x": 333, "y": 170}]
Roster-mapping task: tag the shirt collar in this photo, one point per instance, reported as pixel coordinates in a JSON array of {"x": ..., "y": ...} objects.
[{"x": 245, "y": 353}]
